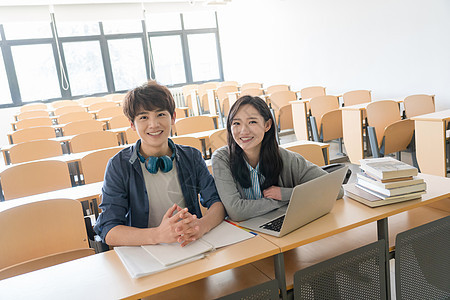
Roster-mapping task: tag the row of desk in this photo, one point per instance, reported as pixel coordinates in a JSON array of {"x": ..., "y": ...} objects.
[{"x": 103, "y": 276}]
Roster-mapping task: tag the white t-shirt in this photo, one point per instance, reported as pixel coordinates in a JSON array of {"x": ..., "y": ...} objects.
[{"x": 163, "y": 190}]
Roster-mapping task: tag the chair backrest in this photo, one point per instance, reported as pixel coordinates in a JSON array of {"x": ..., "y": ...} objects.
[
  {"x": 83, "y": 126},
  {"x": 204, "y": 87},
  {"x": 282, "y": 98},
  {"x": 266, "y": 290},
  {"x": 34, "y": 178},
  {"x": 108, "y": 112},
  {"x": 188, "y": 141},
  {"x": 101, "y": 105},
  {"x": 277, "y": 88},
  {"x": 285, "y": 119},
  {"x": 34, "y": 150},
  {"x": 32, "y": 134},
  {"x": 90, "y": 100},
  {"x": 422, "y": 261},
  {"x": 352, "y": 275},
  {"x": 418, "y": 105},
  {"x": 222, "y": 92},
  {"x": 32, "y": 114},
  {"x": 251, "y": 85},
  {"x": 356, "y": 97},
  {"x": 194, "y": 124},
  {"x": 254, "y": 92},
  {"x": 61, "y": 103},
  {"x": 41, "y": 228},
  {"x": 397, "y": 136},
  {"x": 311, "y": 152},
  {"x": 380, "y": 114},
  {"x": 118, "y": 122},
  {"x": 93, "y": 165},
  {"x": 74, "y": 116},
  {"x": 217, "y": 140},
  {"x": 131, "y": 136},
  {"x": 33, "y": 122},
  {"x": 312, "y": 91},
  {"x": 228, "y": 83},
  {"x": 321, "y": 105},
  {"x": 187, "y": 89},
  {"x": 33, "y": 106},
  {"x": 92, "y": 141},
  {"x": 44, "y": 262},
  {"x": 68, "y": 109}
]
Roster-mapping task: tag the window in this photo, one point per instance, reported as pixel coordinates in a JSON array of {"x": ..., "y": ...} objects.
[
  {"x": 163, "y": 22},
  {"x": 35, "y": 30},
  {"x": 203, "y": 53},
  {"x": 197, "y": 20},
  {"x": 110, "y": 27},
  {"x": 36, "y": 72},
  {"x": 77, "y": 29},
  {"x": 168, "y": 59},
  {"x": 5, "y": 95},
  {"x": 127, "y": 62},
  {"x": 85, "y": 67}
]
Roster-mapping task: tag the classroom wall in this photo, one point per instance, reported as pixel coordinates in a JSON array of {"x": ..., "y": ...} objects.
[{"x": 393, "y": 47}]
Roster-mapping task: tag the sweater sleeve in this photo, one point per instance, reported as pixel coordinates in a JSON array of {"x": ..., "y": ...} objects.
[{"x": 237, "y": 207}]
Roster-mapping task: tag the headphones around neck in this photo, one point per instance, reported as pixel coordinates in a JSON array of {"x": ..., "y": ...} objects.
[{"x": 155, "y": 163}]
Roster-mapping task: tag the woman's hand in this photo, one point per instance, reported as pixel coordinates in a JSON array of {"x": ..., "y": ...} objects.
[{"x": 273, "y": 192}]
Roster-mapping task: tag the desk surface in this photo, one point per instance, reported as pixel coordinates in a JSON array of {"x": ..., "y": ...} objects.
[
  {"x": 442, "y": 115},
  {"x": 103, "y": 276}
]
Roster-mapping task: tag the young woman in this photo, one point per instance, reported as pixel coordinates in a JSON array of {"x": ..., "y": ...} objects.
[{"x": 253, "y": 175}]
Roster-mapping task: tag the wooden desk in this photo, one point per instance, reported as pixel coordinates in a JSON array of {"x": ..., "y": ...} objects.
[
  {"x": 430, "y": 131},
  {"x": 103, "y": 276},
  {"x": 325, "y": 148}
]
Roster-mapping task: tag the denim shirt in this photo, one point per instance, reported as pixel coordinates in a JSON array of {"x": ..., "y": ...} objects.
[{"x": 124, "y": 195}]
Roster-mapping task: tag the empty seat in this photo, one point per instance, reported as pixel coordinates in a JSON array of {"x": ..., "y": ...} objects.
[
  {"x": 74, "y": 116},
  {"x": 108, "y": 112},
  {"x": 92, "y": 141},
  {"x": 68, "y": 109},
  {"x": 83, "y": 126},
  {"x": 188, "y": 141},
  {"x": 34, "y": 150},
  {"x": 32, "y": 134},
  {"x": 33, "y": 122},
  {"x": 356, "y": 97},
  {"x": 119, "y": 121},
  {"x": 94, "y": 164},
  {"x": 310, "y": 152},
  {"x": 194, "y": 124},
  {"x": 61, "y": 103},
  {"x": 100, "y": 105},
  {"x": 277, "y": 88},
  {"x": 32, "y": 114},
  {"x": 131, "y": 136},
  {"x": 416, "y": 105},
  {"x": 33, "y": 106}
]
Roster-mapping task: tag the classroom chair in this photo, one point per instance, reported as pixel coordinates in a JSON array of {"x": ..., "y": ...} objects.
[
  {"x": 326, "y": 119},
  {"x": 310, "y": 152},
  {"x": 181, "y": 113},
  {"x": 131, "y": 136},
  {"x": 73, "y": 117},
  {"x": 83, "y": 126},
  {"x": 33, "y": 122},
  {"x": 356, "y": 97},
  {"x": 32, "y": 114},
  {"x": 388, "y": 133},
  {"x": 33, "y": 106},
  {"x": 34, "y": 178},
  {"x": 100, "y": 105},
  {"x": 279, "y": 102},
  {"x": 202, "y": 94},
  {"x": 254, "y": 92},
  {"x": 217, "y": 139},
  {"x": 61, "y": 103},
  {"x": 32, "y": 134},
  {"x": 39, "y": 229},
  {"x": 228, "y": 83},
  {"x": 194, "y": 124},
  {"x": 90, "y": 100},
  {"x": 357, "y": 274},
  {"x": 44, "y": 262},
  {"x": 266, "y": 290},
  {"x": 422, "y": 261},
  {"x": 188, "y": 141},
  {"x": 416, "y": 105},
  {"x": 222, "y": 96},
  {"x": 34, "y": 150},
  {"x": 187, "y": 93},
  {"x": 93, "y": 165},
  {"x": 92, "y": 141},
  {"x": 68, "y": 109},
  {"x": 109, "y": 112},
  {"x": 277, "y": 88},
  {"x": 118, "y": 122},
  {"x": 311, "y": 92},
  {"x": 250, "y": 85}
]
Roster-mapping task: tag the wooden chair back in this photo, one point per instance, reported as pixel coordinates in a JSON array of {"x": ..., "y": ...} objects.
[
  {"x": 416, "y": 105},
  {"x": 33, "y": 122},
  {"x": 37, "y": 229},
  {"x": 312, "y": 91},
  {"x": 83, "y": 126},
  {"x": 254, "y": 92},
  {"x": 61, "y": 103},
  {"x": 277, "y": 88},
  {"x": 34, "y": 150},
  {"x": 285, "y": 120},
  {"x": 131, "y": 136},
  {"x": 217, "y": 139},
  {"x": 328, "y": 116},
  {"x": 32, "y": 114},
  {"x": 321, "y": 105},
  {"x": 92, "y": 141},
  {"x": 188, "y": 141},
  {"x": 194, "y": 124},
  {"x": 108, "y": 112},
  {"x": 33, "y": 106},
  {"x": 282, "y": 98},
  {"x": 187, "y": 89},
  {"x": 68, "y": 109},
  {"x": 380, "y": 114},
  {"x": 32, "y": 134},
  {"x": 228, "y": 83},
  {"x": 90, "y": 100},
  {"x": 100, "y": 105},
  {"x": 94, "y": 164},
  {"x": 118, "y": 122},
  {"x": 251, "y": 85},
  {"x": 202, "y": 93},
  {"x": 222, "y": 95},
  {"x": 310, "y": 152},
  {"x": 74, "y": 116},
  {"x": 398, "y": 135},
  {"x": 357, "y": 97},
  {"x": 34, "y": 178},
  {"x": 44, "y": 262}
]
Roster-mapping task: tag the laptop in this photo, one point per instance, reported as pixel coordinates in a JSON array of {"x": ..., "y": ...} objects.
[{"x": 309, "y": 201}]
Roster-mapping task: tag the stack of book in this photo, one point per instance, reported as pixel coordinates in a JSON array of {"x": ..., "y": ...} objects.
[{"x": 384, "y": 181}]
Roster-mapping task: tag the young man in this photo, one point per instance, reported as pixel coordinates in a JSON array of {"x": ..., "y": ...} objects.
[{"x": 150, "y": 192}]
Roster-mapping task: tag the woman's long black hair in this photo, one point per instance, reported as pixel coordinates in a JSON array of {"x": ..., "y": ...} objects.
[{"x": 270, "y": 163}]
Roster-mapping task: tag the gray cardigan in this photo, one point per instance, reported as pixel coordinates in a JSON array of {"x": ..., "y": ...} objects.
[{"x": 296, "y": 170}]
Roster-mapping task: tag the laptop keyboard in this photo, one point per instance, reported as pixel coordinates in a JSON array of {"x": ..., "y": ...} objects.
[{"x": 274, "y": 225}]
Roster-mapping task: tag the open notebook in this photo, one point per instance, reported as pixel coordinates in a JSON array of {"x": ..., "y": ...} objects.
[{"x": 148, "y": 259}]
